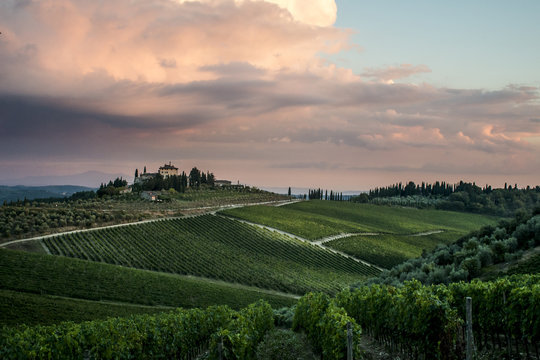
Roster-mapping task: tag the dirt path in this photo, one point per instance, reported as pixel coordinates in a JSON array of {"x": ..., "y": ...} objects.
[
  {"x": 341, "y": 236},
  {"x": 289, "y": 202},
  {"x": 213, "y": 209},
  {"x": 428, "y": 233}
]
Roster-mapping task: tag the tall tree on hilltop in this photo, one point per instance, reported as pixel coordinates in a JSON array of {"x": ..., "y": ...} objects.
[
  {"x": 136, "y": 173},
  {"x": 195, "y": 177},
  {"x": 210, "y": 178}
]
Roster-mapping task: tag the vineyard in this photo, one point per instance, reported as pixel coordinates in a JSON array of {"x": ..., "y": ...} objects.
[
  {"x": 183, "y": 334},
  {"x": 40, "y": 217},
  {"x": 18, "y": 308},
  {"x": 412, "y": 321},
  {"x": 318, "y": 219},
  {"x": 387, "y": 251},
  {"x": 31, "y": 284},
  {"x": 219, "y": 248},
  {"x": 428, "y": 321}
]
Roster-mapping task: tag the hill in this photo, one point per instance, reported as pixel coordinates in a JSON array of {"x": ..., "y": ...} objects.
[
  {"x": 317, "y": 219},
  {"x": 219, "y": 248},
  {"x": 19, "y": 192},
  {"x": 381, "y": 235},
  {"x": 42, "y": 289},
  {"x": 38, "y": 217},
  {"x": 473, "y": 255}
]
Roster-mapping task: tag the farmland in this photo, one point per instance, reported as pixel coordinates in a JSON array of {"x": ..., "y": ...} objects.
[
  {"x": 40, "y": 217},
  {"x": 33, "y": 309},
  {"x": 215, "y": 247},
  {"x": 318, "y": 219},
  {"x": 37, "y": 279},
  {"x": 387, "y": 250}
]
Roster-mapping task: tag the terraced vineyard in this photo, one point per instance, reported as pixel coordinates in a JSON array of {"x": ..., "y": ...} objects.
[
  {"x": 215, "y": 247},
  {"x": 387, "y": 251},
  {"x": 44, "y": 289},
  {"x": 318, "y": 219}
]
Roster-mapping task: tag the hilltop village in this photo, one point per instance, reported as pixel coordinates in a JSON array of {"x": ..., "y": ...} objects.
[{"x": 151, "y": 184}]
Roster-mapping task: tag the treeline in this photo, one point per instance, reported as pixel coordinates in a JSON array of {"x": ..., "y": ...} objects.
[
  {"x": 180, "y": 183},
  {"x": 112, "y": 188},
  {"x": 462, "y": 196},
  {"x": 81, "y": 195},
  {"x": 321, "y": 194},
  {"x": 465, "y": 259},
  {"x": 158, "y": 182}
]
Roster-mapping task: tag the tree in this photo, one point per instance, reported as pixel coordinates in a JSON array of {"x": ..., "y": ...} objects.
[
  {"x": 289, "y": 192},
  {"x": 136, "y": 173},
  {"x": 145, "y": 169},
  {"x": 195, "y": 177},
  {"x": 210, "y": 178}
]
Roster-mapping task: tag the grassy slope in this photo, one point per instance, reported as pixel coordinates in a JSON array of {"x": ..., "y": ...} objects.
[
  {"x": 389, "y": 250},
  {"x": 318, "y": 219},
  {"x": 18, "y": 308},
  {"x": 27, "y": 273},
  {"x": 24, "y": 221},
  {"x": 219, "y": 248}
]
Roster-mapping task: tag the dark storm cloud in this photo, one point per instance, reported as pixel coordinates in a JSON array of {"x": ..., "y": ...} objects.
[{"x": 43, "y": 117}]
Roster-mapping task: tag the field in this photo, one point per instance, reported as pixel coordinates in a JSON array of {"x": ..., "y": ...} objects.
[
  {"x": 387, "y": 251},
  {"x": 35, "y": 218},
  {"x": 198, "y": 261},
  {"x": 18, "y": 308},
  {"x": 33, "y": 284},
  {"x": 318, "y": 219},
  {"x": 215, "y": 247}
]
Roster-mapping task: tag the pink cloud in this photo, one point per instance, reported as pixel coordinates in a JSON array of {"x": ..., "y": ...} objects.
[
  {"x": 233, "y": 85},
  {"x": 391, "y": 73}
]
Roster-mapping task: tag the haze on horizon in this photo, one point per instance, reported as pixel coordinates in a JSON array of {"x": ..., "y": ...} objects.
[{"x": 345, "y": 95}]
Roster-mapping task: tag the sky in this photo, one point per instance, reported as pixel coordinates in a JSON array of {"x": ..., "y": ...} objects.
[{"x": 344, "y": 95}]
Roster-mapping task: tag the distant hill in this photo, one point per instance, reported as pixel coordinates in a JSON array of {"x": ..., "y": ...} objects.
[
  {"x": 90, "y": 179},
  {"x": 14, "y": 193}
]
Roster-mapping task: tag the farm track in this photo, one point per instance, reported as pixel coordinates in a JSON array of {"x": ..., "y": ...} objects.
[
  {"x": 213, "y": 210},
  {"x": 341, "y": 236},
  {"x": 428, "y": 233}
]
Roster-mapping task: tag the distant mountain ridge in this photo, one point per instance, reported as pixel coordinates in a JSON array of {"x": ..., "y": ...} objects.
[
  {"x": 14, "y": 193},
  {"x": 90, "y": 179}
]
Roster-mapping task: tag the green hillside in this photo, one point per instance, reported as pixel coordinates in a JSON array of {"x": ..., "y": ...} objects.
[
  {"x": 318, "y": 219},
  {"x": 30, "y": 285},
  {"x": 18, "y": 308},
  {"x": 388, "y": 250},
  {"x": 219, "y": 248}
]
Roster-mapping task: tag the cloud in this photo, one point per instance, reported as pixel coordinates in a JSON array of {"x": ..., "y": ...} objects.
[
  {"x": 391, "y": 73},
  {"x": 153, "y": 41},
  {"x": 312, "y": 12},
  {"x": 236, "y": 84},
  {"x": 307, "y": 165}
]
